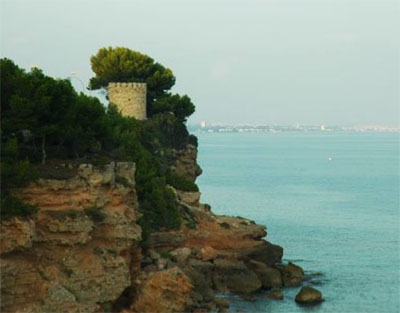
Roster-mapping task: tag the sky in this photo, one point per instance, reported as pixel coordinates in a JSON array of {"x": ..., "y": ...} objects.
[{"x": 309, "y": 62}]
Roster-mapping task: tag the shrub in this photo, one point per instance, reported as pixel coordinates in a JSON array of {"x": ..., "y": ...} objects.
[
  {"x": 193, "y": 140},
  {"x": 64, "y": 214},
  {"x": 122, "y": 181},
  {"x": 181, "y": 183},
  {"x": 165, "y": 254},
  {"x": 225, "y": 225},
  {"x": 11, "y": 206},
  {"x": 15, "y": 172},
  {"x": 95, "y": 213},
  {"x": 191, "y": 224}
]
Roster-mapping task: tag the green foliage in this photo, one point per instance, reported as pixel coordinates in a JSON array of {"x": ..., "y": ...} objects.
[
  {"x": 192, "y": 224},
  {"x": 124, "y": 65},
  {"x": 51, "y": 110},
  {"x": 159, "y": 207},
  {"x": 181, "y": 183},
  {"x": 95, "y": 213},
  {"x": 11, "y": 80},
  {"x": 87, "y": 125},
  {"x": 11, "y": 206},
  {"x": 180, "y": 106},
  {"x": 165, "y": 131},
  {"x": 122, "y": 181},
  {"x": 165, "y": 254},
  {"x": 14, "y": 172},
  {"x": 192, "y": 140}
]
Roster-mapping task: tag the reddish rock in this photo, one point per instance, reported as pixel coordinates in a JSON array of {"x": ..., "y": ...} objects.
[
  {"x": 16, "y": 234},
  {"x": 76, "y": 262},
  {"x": 64, "y": 260},
  {"x": 164, "y": 292},
  {"x": 207, "y": 253}
]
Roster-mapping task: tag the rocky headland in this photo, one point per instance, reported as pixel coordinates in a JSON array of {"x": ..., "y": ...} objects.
[{"x": 83, "y": 251}]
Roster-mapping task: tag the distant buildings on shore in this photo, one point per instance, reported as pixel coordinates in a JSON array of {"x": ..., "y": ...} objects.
[{"x": 225, "y": 128}]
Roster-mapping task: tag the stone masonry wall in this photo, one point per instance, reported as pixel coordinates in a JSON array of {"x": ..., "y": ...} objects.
[{"x": 130, "y": 98}]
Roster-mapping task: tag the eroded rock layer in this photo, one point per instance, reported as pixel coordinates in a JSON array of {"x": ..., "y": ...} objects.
[{"x": 80, "y": 251}]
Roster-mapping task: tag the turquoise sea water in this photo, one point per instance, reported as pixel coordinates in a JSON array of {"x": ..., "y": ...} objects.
[{"x": 331, "y": 199}]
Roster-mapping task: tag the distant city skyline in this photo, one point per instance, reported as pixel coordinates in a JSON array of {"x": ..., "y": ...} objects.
[
  {"x": 272, "y": 128},
  {"x": 309, "y": 62}
]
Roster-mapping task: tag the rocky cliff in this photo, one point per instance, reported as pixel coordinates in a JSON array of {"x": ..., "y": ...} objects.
[{"x": 83, "y": 251}]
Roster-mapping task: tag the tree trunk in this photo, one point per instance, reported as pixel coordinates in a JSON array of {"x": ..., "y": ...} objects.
[{"x": 44, "y": 149}]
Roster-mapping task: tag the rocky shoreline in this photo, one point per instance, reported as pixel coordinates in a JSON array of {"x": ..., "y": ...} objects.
[{"x": 83, "y": 251}]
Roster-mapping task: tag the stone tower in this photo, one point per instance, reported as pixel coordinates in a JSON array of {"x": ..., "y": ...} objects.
[{"x": 130, "y": 98}]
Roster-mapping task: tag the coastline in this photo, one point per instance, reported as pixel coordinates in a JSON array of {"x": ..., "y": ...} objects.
[{"x": 210, "y": 254}]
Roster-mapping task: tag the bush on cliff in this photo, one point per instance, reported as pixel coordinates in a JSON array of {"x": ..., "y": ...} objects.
[
  {"x": 11, "y": 206},
  {"x": 14, "y": 173},
  {"x": 181, "y": 183},
  {"x": 95, "y": 213}
]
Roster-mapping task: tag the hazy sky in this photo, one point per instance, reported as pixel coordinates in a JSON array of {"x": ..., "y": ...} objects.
[{"x": 244, "y": 61}]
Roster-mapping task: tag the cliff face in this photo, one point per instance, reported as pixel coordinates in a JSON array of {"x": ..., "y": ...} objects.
[
  {"x": 81, "y": 252},
  {"x": 185, "y": 163}
]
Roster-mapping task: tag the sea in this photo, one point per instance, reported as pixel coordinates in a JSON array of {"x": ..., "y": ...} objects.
[{"x": 330, "y": 199}]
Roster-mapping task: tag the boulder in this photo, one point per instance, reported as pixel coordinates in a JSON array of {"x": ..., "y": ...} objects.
[
  {"x": 275, "y": 294},
  {"x": 161, "y": 264},
  {"x": 264, "y": 252},
  {"x": 190, "y": 198},
  {"x": 200, "y": 274},
  {"x": 180, "y": 255},
  {"x": 165, "y": 291},
  {"x": 269, "y": 277},
  {"x": 234, "y": 276},
  {"x": 221, "y": 303},
  {"x": 154, "y": 255},
  {"x": 207, "y": 253},
  {"x": 292, "y": 274},
  {"x": 309, "y": 295}
]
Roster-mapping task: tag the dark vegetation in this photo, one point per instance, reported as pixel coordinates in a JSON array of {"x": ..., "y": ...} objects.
[
  {"x": 44, "y": 119},
  {"x": 95, "y": 213}
]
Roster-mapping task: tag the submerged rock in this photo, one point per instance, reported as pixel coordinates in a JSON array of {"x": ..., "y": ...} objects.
[{"x": 275, "y": 294}]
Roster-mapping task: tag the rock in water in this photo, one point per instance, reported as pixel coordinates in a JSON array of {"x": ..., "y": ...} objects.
[
  {"x": 292, "y": 274},
  {"x": 275, "y": 294},
  {"x": 309, "y": 295}
]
